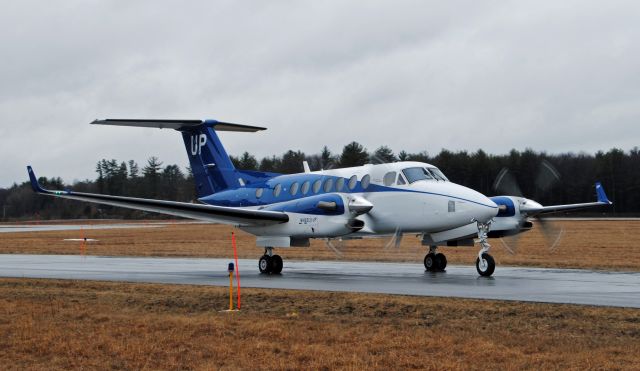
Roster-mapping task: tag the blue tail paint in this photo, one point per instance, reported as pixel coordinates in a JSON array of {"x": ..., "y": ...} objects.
[
  {"x": 212, "y": 168},
  {"x": 602, "y": 197}
]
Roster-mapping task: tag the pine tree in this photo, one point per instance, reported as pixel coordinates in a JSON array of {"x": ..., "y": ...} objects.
[
  {"x": 292, "y": 162},
  {"x": 247, "y": 162},
  {"x": 327, "y": 160},
  {"x": 353, "y": 154},
  {"x": 383, "y": 155},
  {"x": 151, "y": 174}
]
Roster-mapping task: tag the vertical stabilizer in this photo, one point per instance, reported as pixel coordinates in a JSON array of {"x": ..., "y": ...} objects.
[{"x": 212, "y": 168}]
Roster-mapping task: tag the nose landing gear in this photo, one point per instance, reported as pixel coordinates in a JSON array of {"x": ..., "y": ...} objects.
[
  {"x": 269, "y": 263},
  {"x": 485, "y": 265},
  {"x": 435, "y": 261}
]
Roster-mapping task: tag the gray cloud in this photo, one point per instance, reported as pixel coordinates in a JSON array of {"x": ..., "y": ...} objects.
[{"x": 413, "y": 75}]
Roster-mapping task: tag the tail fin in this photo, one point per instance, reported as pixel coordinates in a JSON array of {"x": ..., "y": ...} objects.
[
  {"x": 212, "y": 168},
  {"x": 602, "y": 197}
]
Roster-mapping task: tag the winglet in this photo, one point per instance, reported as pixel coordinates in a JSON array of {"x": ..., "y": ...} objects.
[
  {"x": 602, "y": 197},
  {"x": 34, "y": 181}
]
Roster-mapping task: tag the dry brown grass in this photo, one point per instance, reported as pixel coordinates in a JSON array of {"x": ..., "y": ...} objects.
[
  {"x": 585, "y": 244},
  {"x": 53, "y": 324}
]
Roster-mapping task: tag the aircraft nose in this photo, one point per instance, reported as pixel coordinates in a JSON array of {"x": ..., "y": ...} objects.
[
  {"x": 487, "y": 209},
  {"x": 484, "y": 208}
]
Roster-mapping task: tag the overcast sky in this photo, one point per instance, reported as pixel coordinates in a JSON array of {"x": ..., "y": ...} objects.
[{"x": 556, "y": 76}]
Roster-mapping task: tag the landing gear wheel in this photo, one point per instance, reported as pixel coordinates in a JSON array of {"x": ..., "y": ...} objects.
[
  {"x": 265, "y": 264},
  {"x": 276, "y": 264},
  {"x": 485, "y": 267},
  {"x": 430, "y": 262},
  {"x": 441, "y": 262}
]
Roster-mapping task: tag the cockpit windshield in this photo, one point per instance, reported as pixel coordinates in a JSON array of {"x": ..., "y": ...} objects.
[
  {"x": 437, "y": 173},
  {"x": 413, "y": 174}
]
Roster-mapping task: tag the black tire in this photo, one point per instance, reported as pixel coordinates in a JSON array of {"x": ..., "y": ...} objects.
[
  {"x": 276, "y": 264},
  {"x": 430, "y": 262},
  {"x": 265, "y": 264},
  {"x": 491, "y": 265},
  {"x": 441, "y": 261}
]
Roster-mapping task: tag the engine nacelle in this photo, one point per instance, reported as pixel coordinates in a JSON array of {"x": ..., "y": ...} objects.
[
  {"x": 510, "y": 219},
  {"x": 321, "y": 216}
]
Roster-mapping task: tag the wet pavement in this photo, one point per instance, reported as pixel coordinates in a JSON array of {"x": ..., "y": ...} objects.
[{"x": 621, "y": 289}]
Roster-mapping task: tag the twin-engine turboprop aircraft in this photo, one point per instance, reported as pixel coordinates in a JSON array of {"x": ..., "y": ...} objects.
[{"x": 364, "y": 201}]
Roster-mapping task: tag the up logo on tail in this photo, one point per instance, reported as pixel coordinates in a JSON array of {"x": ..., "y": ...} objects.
[{"x": 197, "y": 142}]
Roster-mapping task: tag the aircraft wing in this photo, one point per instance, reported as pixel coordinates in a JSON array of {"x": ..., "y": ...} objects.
[
  {"x": 210, "y": 213},
  {"x": 602, "y": 201}
]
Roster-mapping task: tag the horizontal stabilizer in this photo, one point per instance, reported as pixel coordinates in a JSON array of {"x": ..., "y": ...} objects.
[{"x": 179, "y": 124}]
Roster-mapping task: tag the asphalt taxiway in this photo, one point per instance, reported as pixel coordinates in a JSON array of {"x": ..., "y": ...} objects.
[{"x": 621, "y": 289}]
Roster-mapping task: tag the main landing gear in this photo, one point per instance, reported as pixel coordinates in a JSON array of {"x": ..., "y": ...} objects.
[
  {"x": 435, "y": 261},
  {"x": 270, "y": 263},
  {"x": 485, "y": 265}
]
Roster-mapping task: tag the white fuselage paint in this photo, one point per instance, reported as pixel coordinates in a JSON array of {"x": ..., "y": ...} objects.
[{"x": 425, "y": 206}]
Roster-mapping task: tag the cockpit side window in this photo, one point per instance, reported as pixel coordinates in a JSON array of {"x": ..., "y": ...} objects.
[
  {"x": 389, "y": 178},
  {"x": 401, "y": 180},
  {"x": 437, "y": 174},
  {"x": 414, "y": 174}
]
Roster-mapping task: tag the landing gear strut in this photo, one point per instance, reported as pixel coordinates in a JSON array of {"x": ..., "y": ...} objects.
[
  {"x": 435, "y": 261},
  {"x": 269, "y": 263},
  {"x": 485, "y": 265}
]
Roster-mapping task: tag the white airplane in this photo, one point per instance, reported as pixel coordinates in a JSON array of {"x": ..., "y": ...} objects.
[{"x": 357, "y": 202}]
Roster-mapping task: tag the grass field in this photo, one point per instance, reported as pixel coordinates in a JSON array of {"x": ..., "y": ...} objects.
[
  {"x": 585, "y": 244},
  {"x": 50, "y": 324}
]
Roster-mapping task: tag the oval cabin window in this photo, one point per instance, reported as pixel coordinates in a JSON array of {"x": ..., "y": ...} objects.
[
  {"x": 328, "y": 184},
  {"x": 365, "y": 181},
  {"x": 353, "y": 181},
  {"x": 305, "y": 187},
  {"x": 294, "y": 188},
  {"x": 316, "y": 186},
  {"x": 389, "y": 178}
]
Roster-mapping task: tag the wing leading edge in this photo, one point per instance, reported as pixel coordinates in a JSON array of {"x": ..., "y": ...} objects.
[{"x": 210, "y": 213}]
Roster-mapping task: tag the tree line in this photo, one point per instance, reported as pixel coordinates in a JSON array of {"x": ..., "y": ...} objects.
[{"x": 546, "y": 178}]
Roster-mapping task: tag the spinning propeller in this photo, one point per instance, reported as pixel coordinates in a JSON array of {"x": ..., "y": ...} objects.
[
  {"x": 336, "y": 245},
  {"x": 546, "y": 178}
]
